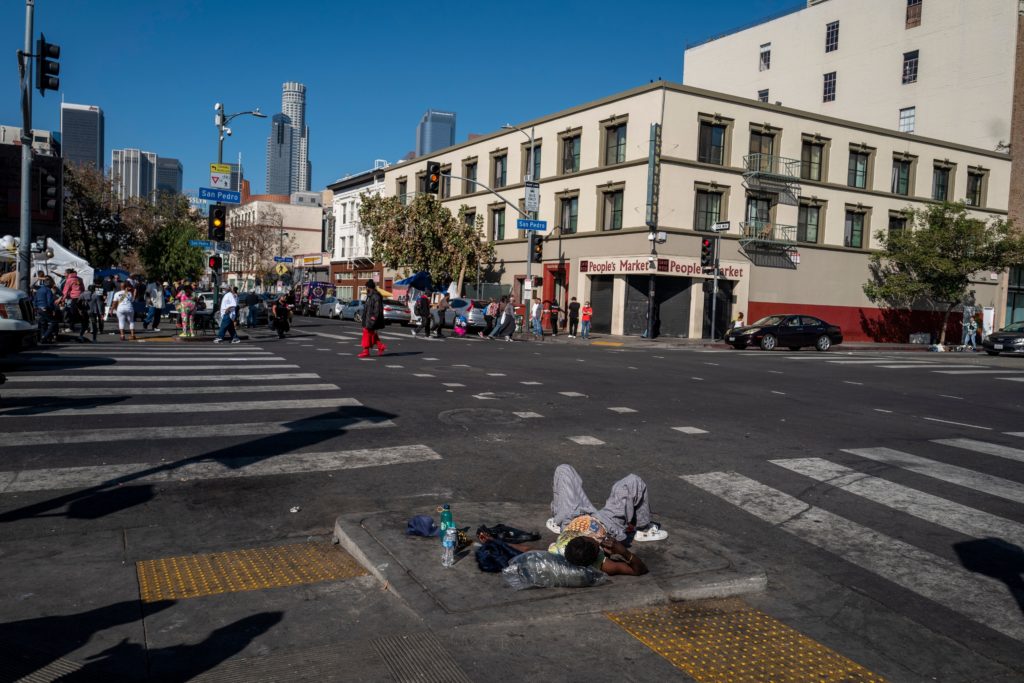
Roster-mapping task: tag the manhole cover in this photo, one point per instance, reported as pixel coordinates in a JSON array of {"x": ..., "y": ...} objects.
[{"x": 477, "y": 416}]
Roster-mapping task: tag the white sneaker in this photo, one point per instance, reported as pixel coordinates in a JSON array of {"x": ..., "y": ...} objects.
[
  {"x": 652, "y": 533},
  {"x": 236, "y": 340},
  {"x": 552, "y": 527},
  {"x": 156, "y": 329},
  {"x": 217, "y": 340}
]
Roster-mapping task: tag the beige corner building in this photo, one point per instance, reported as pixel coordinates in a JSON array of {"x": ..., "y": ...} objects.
[
  {"x": 803, "y": 193},
  {"x": 945, "y": 69}
]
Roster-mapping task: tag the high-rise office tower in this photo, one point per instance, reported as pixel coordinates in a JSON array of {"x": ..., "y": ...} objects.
[
  {"x": 436, "y": 131},
  {"x": 133, "y": 173},
  {"x": 81, "y": 134},
  {"x": 288, "y": 166},
  {"x": 168, "y": 175}
]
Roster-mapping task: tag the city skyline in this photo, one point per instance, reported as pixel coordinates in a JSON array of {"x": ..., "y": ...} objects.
[
  {"x": 436, "y": 130},
  {"x": 356, "y": 117}
]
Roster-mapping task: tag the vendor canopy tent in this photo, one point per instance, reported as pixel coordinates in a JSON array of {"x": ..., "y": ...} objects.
[
  {"x": 420, "y": 281},
  {"x": 55, "y": 265}
]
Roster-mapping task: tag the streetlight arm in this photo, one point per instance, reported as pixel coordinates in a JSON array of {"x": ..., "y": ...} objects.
[{"x": 477, "y": 182}]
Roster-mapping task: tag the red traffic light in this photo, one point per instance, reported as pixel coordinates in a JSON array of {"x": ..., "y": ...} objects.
[{"x": 215, "y": 262}]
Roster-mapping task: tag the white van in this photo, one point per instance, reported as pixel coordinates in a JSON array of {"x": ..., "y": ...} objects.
[{"x": 17, "y": 321}]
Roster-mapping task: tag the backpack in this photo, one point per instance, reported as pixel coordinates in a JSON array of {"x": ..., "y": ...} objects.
[{"x": 494, "y": 555}]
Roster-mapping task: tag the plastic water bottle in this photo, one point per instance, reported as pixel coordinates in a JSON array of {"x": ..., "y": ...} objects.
[
  {"x": 448, "y": 547},
  {"x": 446, "y": 518}
]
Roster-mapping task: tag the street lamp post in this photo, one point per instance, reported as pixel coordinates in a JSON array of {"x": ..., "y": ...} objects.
[{"x": 528, "y": 178}]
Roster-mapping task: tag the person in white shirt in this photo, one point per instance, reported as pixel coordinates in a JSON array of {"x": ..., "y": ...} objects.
[
  {"x": 122, "y": 303},
  {"x": 228, "y": 313},
  {"x": 154, "y": 305}
]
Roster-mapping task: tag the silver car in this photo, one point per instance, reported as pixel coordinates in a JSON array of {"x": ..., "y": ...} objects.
[
  {"x": 353, "y": 310},
  {"x": 396, "y": 311},
  {"x": 472, "y": 309},
  {"x": 330, "y": 307}
]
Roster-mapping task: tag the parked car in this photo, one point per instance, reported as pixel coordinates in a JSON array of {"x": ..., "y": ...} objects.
[
  {"x": 17, "y": 321},
  {"x": 396, "y": 311},
  {"x": 330, "y": 308},
  {"x": 353, "y": 310},
  {"x": 473, "y": 309},
  {"x": 791, "y": 331},
  {"x": 1010, "y": 339}
]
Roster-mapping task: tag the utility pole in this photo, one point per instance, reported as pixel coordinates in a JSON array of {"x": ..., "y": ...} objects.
[
  {"x": 25, "y": 246},
  {"x": 533, "y": 214},
  {"x": 653, "y": 195}
]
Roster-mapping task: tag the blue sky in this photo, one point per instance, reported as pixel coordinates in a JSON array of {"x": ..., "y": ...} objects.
[{"x": 157, "y": 67}]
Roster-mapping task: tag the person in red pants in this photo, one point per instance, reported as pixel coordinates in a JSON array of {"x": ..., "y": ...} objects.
[{"x": 373, "y": 320}]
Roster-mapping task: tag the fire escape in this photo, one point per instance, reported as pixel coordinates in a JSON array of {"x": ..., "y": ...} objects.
[{"x": 764, "y": 241}]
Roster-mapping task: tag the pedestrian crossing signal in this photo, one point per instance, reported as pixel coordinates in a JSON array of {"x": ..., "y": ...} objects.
[{"x": 215, "y": 263}]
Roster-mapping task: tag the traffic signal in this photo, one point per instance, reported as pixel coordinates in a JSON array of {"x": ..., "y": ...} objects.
[
  {"x": 537, "y": 254},
  {"x": 215, "y": 263},
  {"x": 707, "y": 253},
  {"x": 46, "y": 69},
  {"x": 216, "y": 222},
  {"x": 47, "y": 191},
  {"x": 433, "y": 177}
]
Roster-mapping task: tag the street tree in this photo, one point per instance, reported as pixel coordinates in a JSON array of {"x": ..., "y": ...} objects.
[
  {"x": 165, "y": 253},
  {"x": 930, "y": 263},
  {"x": 95, "y": 224},
  {"x": 424, "y": 235}
]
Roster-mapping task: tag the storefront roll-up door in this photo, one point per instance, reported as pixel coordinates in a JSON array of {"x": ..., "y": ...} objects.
[
  {"x": 634, "y": 319},
  {"x": 723, "y": 309},
  {"x": 673, "y": 297},
  {"x": 601, "y": 302}
]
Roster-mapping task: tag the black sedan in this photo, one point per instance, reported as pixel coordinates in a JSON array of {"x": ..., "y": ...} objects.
[
  {"x": 1010, "y": 339},
  {"x": 791, "y": 331}
]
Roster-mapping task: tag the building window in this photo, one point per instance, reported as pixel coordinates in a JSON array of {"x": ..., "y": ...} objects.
[
  {"x": 828, "y": 93},
  {"x": 832, "y": 36},
  {"x": 762, "y": 95},
  {"x": 497, "y": 224},
  {"x": 531, "y": 161},
  {"x": 908, "y": 117},
  {"x": 611, "y": 202},
  {"x": 500, "y": 175},
  {"x": 568, "y": 211},
  {"x": 470, "y": 218},
  {"x": 402, "y": 190},
  {"x": 1015, "y": 296},
  {"x": 469, "y": 173},
  {"x": 854, "y": 229},
  {"x": 910, "y": 67},
  {"x": 811, "y": 157},
  {"x": 807, "y": 222},
  {"x": 975, "y": 188},
  {"x": 764, "y": 62},
  {"x": 615, "y": 144},
  {"x": 711, "y": 144},
  {"x": 759, "y": 212},
  {"x": 446, "y": 182},
  {"x": 707, "y": 209},
  {"x": 857, "y": 173},
  {"x": 913, "y": 13},
  {"x": 940, "y": 183},
  {"x": 901, "y": 176},
  {"x": 897, "y": 223},
  {"x": 570, "y": 154},
  {"x": 762, "y": 147}
]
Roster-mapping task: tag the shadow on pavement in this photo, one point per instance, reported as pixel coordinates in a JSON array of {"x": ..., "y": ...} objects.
[
  {"x": 42, "y": 405},
  {"x": 998, "y": 559}
]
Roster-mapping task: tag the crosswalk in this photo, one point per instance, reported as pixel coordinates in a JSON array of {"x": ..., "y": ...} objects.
[
  {"x": 958, "y": 581},
  {"x": 927, "y": 363},
  {"x": 145, "y": 394}
]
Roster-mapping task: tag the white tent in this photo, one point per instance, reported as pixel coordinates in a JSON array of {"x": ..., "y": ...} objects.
[{"x": 53, "y": 266}]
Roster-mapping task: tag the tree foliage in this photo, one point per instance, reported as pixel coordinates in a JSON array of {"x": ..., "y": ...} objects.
[
  {"x": 254, "y": 244},
  {"x": 931, "y": 262},
  {"x": 94, "y": 218},
  {"x": 424, "y": 235},
  {"x": 165, "y": 253}
]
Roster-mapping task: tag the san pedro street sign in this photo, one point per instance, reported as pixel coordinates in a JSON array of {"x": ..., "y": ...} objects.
[
  {"x": 224, "y": 196},
  {"x": 526, "y": 224}
]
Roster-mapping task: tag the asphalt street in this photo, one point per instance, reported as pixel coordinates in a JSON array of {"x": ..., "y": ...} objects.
[{"x": 882, "y": 493}]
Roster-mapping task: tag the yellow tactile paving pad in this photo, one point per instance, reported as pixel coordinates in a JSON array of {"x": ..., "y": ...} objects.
[
  {"x": 726, "y": 640},
  {"x": 193, "y": 576}
]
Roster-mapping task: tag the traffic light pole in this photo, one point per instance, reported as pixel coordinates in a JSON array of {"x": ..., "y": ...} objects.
[
  {"x": 714, "y": 286},
  {"x": 25, "y": 246}
]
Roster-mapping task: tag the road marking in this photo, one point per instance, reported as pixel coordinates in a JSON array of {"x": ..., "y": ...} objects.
[
  {"x": 421, "y": 374},
  {"x": 1012, "y": 379},
  {"x": 527, "y": 414},
  {"x": 431, "y": 358},
  {"x": 858, "y": 384},
  {"x": 959, "y": 398},
  {"x": 697, "y": 379},
  {"x": 462, "y": 365},
  {"x": 161, "y": 353},
  {"x": 394, "y": 366},
  {"x": 495, "y": 374},
  {"x": 230, "y": 430},
  {"x": 974, "y": 595},
  {"x": 984, "y": 447},
  {"x": 961, "y": 476},
  {"x": 193, "y": 576},
  {"x": 154, "y": 409},
  {"x": 710, "y": 363},
  {"x": 486, "y": 396},
  {"x": 880, "y": 360},
  {"x": 532, "y": 384},
  {"x": 904, "y": 366},
  {"x": 161, "y": 378},
  {"x": 621, "y": 409},
  {"x": 945, "y": 513},
  {"x": 155, "y": 391},
  {"x": 605, "y": 343},
  {"x": 586, "y": 440},
  {"x": 213, "y": 358},
  {"x": 776, "y": 372},
  {"x": 882, "y": 410},
  {"x": 690, "y": 430},
  {"x": 452, "y": 384},
  {"x": 979, "y": 372},
  {"x": 958, "y": 424},
  {"x": 572, "y": 394},
  {"x": 780, "y": 393},
  {"x": 129, "y": 368}
]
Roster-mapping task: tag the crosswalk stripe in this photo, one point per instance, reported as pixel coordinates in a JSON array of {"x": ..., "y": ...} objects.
[
  {"x": 984, "y": 447},
  {"x": 229, "y": 430},
  {"x": 945, "y": 513},
  {"x": 1012, "y": 379},
  {"x": 125, "y": 368},
  {"x": 146, "y": 409},
  {"x": 961, "y": 476},
  {"x": 212, "y": 358},
  {"x": 904, "y": 366},
  {"x": 876, "y": 361},
  {"x": 142, "y": 473},
  {"x": 160, "y": 378},
  {"x": 978, "y": 597},
  {"x": 979, "y": 372},
  {"x": 155, "y": 391},
  {"x": 160, "y": 351}
]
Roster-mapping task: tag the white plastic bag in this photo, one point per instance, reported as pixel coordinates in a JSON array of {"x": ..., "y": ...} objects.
[{"x": 541, "y": 569}]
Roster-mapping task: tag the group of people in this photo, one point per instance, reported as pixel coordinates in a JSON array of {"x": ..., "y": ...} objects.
[
  {"x": 576, "y": 315},
  {"x": 500, "y": 317},
  {"x": 76, "y": 305}
]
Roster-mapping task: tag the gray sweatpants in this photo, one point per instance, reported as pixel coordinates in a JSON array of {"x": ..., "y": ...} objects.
[{"x": 626, "y": 504}]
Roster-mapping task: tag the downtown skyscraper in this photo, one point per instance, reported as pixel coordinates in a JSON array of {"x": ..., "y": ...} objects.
[
  {"x": 436, "y": 131},
  {"x": 288, "y": 166},
  {"x": 81, "y": 134}
]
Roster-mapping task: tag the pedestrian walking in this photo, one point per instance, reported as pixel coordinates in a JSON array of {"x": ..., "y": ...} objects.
[
  {"x": 555, "y": 316},
  {"x": 279, "y": 316},
  {"x": 373, "y": 320},
  {"x": 574, "y": 317},
  {"x": 186, "y": 310},
  {"x": 252, "y": 303},
  {"x": 971, "y": 333},
  {"x": 535, "y": 317},
  {"x": 422, "y": 311},
  {"x": 69, "y": 293},
  {"x": 228, "y": 315},
  {"x": 154, "y": 306},
  {"x": 441, "y": 311},
  {"x": 490, "y": 316},
  {"x": 94, "y": 311},
  {"x": 44, "y": 303},
  {"x": 586, "y": 313},
  {"x": 501, "y": 321},
  {"x": 124, "y": 308}
]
